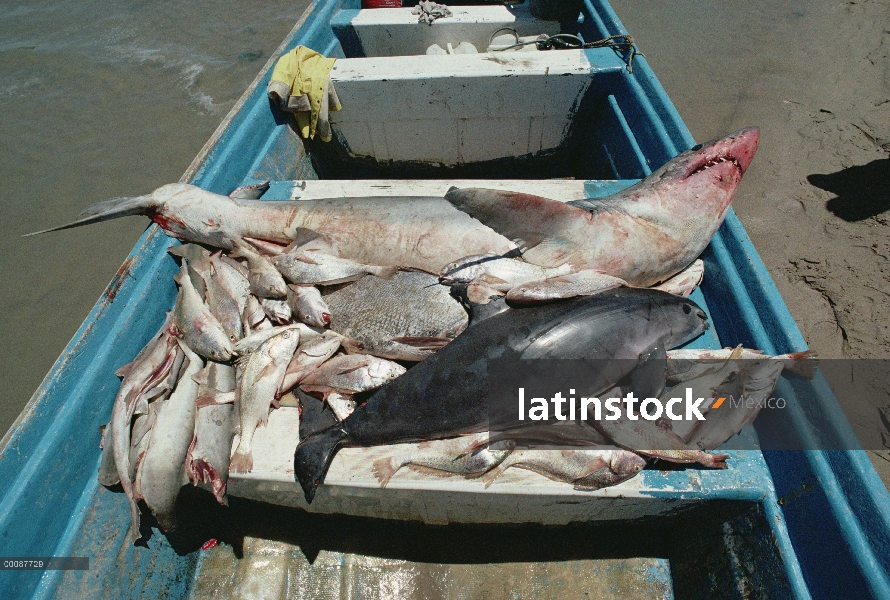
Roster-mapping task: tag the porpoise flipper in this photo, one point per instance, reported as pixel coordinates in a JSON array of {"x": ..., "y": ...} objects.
[{"x": 648, "y": 378}]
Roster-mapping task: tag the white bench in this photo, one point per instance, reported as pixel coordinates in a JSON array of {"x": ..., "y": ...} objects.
[
  {"x": 396, "y": 32},
  {"x": 453, "y": 110}
]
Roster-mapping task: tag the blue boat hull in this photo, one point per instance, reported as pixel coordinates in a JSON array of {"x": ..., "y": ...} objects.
[{"x": 814, "y": 523}]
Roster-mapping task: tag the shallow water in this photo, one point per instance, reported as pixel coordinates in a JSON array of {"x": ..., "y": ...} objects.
[{"x": 99, "y": 100}]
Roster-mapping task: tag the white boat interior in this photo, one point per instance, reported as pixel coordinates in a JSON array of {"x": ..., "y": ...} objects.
[{"x": 408, "y": 112}]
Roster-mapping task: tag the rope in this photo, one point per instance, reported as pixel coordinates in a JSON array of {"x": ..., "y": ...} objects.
[{"x": 622, "y": 42}]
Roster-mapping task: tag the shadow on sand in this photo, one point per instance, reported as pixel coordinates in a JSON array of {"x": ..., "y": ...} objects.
[{"x": 862, "y": 191}]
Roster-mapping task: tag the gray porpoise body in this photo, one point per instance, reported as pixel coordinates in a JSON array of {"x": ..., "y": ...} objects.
[{"x": 446, "y": 394}]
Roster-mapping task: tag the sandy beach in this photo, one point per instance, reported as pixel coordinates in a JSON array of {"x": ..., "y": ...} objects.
[{"x": 815, "y": 76}]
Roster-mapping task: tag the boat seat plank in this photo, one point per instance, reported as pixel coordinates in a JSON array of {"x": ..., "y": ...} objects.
[
  {"x": 517, "y": 496},
  {"x": 396, "y": 32},
  {"x": 463, "y": 108}
]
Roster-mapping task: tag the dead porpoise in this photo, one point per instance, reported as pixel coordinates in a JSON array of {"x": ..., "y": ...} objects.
[
  {"x": 446, "y": 395},
  {"x": 642, "y": 235}
]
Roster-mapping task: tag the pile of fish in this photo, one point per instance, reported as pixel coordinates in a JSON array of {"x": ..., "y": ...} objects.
[{"x": 353, "y": 304}]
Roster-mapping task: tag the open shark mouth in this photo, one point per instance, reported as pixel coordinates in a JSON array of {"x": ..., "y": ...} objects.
[
  {"x": 737, "y": 149},
  {"x": 716, "y": 161}
]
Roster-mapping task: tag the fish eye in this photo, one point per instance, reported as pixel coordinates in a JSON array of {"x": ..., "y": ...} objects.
[
  {"x": 286, "y": 334},
  {"x": 687, "y": 309},
  {"x": 697, "y": 147}
]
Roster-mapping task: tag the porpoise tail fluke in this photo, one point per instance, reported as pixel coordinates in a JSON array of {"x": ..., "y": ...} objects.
[
  {"x": 107, "y": 210},
  {"x": 313, "y": 457}
]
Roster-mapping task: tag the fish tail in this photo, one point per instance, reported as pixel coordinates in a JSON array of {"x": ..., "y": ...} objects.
[
  {"x": 715, "y": 461},
  {"x": 801, "y": 363},
  {"x": 107, "y": 210},
  {"x": 314, "y": 456},
  {"x": 384, "y": 272},
  {"x": 242, "y": 461},
  {"x": 383, "y": 470},
  {"x": 489, "y": 476}
]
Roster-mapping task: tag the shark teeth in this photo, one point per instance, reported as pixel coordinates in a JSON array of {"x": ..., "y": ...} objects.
[{"x": 716, "y": 161}]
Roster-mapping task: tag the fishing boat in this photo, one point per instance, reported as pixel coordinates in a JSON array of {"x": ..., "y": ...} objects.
[{"x": 569, "y": 124}]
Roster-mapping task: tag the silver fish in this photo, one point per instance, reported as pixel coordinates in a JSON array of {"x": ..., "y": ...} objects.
[
  {"x": 308, "y": 306},
  {"x": 351, "y": 374},
  {"x": 467, "y": 456},
  {"x": 224, "y": 306},
  {"x": 309, "y": 355},
  {"x": 254, "y": 316},
  {"x": 208, "y": 455},
  {"x": 646, "y": 438},
  {"x": 200, "y": 330},
  {"x": 581, "y": 283},
  {"x": 498, "y": 272},
  {"x": 585, "y": 469},
  {"x": 262, "y": 376},
  {"x": 162, "y": 471},
  {"x": 704, "y": 385},
  {"x": 278, "y": 311},
  {"x": 755, "y": 382},
  {"x": 407, "y": 317},
  {"x": 319, "y": 268},
  {"x": 265, "y": 280},
  {"x": 685, "y": 364},
  {"x": 150, "y": 368},
  {"x": 253, "y": 341},
  {"x": 341, "y": 405}
]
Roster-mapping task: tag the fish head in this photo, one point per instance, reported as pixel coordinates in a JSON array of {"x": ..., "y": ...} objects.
[
  {"x": 385, "y": 370},
  {"x": 705, "y": 177},
  {"x": 466, "y": 270},
  {"x": 224, "y": 350},
  {"x": 283, "y": 344},
  {"x": 683, "y": 319},
  {"x": 626, "y": 463}
]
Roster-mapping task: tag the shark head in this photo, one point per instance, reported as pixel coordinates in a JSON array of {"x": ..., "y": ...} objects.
[{"x": 705, "y": 177}]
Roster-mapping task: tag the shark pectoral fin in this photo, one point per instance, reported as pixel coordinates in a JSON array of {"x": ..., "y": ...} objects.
[
  {"x": 515, "y": 215},
  {"x": 190, "y": 252},
  {"x": 582, "y": 283},
  {"x": 684, "y": 282},
  {"x": 551, "y": 252},
  {"x": 302, "y": 236}
]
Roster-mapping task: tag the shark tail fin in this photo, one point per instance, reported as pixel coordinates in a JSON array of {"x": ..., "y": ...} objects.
[
  {"x": 314, "y": 456},
  {"x": 107, "y": 210}
]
